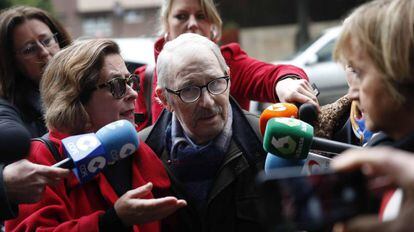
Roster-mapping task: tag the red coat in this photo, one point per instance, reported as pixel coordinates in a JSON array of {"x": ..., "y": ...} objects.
[
  {"x": 70, "y": 206},
  {"x": 251, "y": 79}
]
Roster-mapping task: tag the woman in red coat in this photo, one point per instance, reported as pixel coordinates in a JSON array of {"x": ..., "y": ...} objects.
[
  {"x": 85, "y": 87},
  {"x": 251, "y": 79}
]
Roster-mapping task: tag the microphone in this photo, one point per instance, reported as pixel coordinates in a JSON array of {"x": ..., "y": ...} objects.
[
  {"x": 277, "y": 110},
  {"x": 15, "y": 147},
  {"x": 308, "y": 113},
  {"x": 291, "y": 138},
  {"x": 273, "y": 162},
  {"x": 88, "y": 154}
]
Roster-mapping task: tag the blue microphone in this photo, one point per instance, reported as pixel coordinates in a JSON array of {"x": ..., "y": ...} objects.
[
  {"x": 88, "y": 154},
  {"x": 274, "y": 162}
]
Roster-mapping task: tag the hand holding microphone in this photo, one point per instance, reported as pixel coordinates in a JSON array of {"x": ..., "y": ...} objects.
[
  {"x": 88, "y": 154},
  {"x": 25, "y": 181}
]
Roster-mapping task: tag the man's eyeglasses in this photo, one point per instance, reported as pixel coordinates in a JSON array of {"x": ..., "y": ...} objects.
[
  {"x": 192, "y": 93},
  {"x": 118, "y": 85},
  {"x": 31, "y": 49}
]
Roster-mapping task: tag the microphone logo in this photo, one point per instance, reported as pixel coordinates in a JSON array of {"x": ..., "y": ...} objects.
[
  {"x": 96, "y": 164},
  {"x": 127, "y": 150},
  {"x": 285, "y": 145},
  {"x": 87, "y": 142},
  {"x": 278, "y": 107}
]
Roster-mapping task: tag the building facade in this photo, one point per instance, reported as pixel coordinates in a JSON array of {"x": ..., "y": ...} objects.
[{"x": 109, "y": 18}]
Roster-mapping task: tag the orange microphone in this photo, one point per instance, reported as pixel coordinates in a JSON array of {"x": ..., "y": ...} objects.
[{"x": 277, "y": 110}]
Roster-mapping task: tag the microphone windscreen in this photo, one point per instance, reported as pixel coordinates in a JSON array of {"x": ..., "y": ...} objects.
[
  {"x": 15, "y": 144},
  {"x": 274, "y": 162},
  {"x": 288, "y": 138},
  {"x": 308, "y": 113},
  {"x": 119, "y": 138},
  {"x": 277, "y": 110}
]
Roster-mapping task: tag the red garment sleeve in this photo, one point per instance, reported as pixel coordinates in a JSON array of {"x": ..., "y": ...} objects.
[
  {"x": 140, "y": 106},
  {"x": 252, "y": 79},
  {"x": 54, "y": 211}
]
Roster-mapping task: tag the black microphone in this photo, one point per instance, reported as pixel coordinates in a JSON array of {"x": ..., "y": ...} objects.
[
  {"x": 308, "y": 113},
  {"x": 326, "y": 145},
  {"x": 14, "y": 142}
]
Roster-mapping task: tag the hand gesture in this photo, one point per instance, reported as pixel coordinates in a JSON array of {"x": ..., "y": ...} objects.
[{"x": 133, "y": 209}]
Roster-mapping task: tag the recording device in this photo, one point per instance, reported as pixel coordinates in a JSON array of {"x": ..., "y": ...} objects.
[
  {"x": 291, "y": 138},
  {"x": 308, "y": 113},
  {"x": 277, "y": 110},
  {"x": 88, "y": 154},
  {"x": 15, "y": 145},
  {"x": 274, "y": 162},
  {"x": 291, "y": 200}
]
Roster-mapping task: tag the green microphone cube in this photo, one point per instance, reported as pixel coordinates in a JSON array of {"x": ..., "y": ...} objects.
[{"x": 288, "y": 138}]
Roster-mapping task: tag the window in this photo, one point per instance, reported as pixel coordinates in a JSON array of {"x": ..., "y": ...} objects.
[
  {"x": 325, "y": 53},
  {"x": 134, "y": 17},
  {"x": 97, "y": 27}
]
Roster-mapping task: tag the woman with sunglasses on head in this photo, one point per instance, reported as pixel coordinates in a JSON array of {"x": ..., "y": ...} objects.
[
  {"x": 251, "y": 79},
  {"x": 85, "y": 87},
  {"x": 29, "y": 37}
]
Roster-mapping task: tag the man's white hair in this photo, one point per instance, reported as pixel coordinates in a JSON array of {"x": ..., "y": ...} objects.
[{"x": 188, "y": 43}]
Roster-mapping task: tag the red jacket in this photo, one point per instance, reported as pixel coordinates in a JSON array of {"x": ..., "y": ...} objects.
[
  {"x": 251, "y": 79},
  {"x": 69, "y": 206}
]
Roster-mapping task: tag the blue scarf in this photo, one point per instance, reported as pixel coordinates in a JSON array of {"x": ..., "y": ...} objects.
[{"x": 196, "y": 166}]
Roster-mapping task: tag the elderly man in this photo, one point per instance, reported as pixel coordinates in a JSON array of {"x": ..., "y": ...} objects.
[{"x": 211, "y": 148}]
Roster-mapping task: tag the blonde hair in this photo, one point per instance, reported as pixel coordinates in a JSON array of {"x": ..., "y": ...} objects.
[
  {"x": 209, "y": 9},
  {"x": 384, "y": 31},
  {"x": 68, "y": 82}
]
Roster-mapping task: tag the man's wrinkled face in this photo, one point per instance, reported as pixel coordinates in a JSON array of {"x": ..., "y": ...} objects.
[{"x": 205, "y": 118}]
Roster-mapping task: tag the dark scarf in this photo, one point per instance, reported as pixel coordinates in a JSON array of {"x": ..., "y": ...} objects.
[{"x": 196, "y": 166}]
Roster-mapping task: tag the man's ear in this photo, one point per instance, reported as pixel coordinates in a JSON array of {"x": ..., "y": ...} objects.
[{"x": 160, "y": 93}]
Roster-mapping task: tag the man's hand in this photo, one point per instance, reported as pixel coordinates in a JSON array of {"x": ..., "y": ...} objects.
[
  {"x": 132, "y": 209},
  {"x": 25, "y": 182}
]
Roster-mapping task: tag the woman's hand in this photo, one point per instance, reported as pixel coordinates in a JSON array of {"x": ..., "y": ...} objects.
[
  {"x": 132, "y": 209},
  {"x": 296, "y": 91}
]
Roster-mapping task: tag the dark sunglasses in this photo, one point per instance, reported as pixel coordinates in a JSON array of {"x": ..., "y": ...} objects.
[{"x": 118, "y": 85}]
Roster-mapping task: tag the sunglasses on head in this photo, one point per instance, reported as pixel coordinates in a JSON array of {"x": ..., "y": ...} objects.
[{"x": 118, "y": 85}]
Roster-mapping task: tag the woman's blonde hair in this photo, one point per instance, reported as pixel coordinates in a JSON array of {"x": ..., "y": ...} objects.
[
  {"x": 209, "y": 9},
  {"x": 384, "y": 31},
  {"x": 69, "y": 80}
]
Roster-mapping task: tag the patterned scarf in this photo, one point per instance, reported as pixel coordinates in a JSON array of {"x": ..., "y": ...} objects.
[{"x": 196, "y": 166}]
